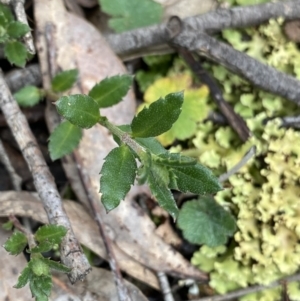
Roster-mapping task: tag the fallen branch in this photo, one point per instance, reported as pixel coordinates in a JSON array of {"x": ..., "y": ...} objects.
[
  {"x": 71, "y": 252},
  {"x": 133, "y": 41},
  {"x": 19, "y": 78},
  {"x": 194, "y": 38},
  {"x": 259, "y": 74}
]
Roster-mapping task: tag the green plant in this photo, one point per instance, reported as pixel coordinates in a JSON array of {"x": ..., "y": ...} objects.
[
  {"x": 37, "y": 271},
  {"x": 264, "y": 194},
  {"x": 131, "y": 14},
  {"x": 159, "y": 168},
  {"x": 11, "y": 32}
]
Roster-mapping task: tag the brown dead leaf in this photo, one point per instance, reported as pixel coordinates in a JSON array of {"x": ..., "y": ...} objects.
[
  {"x": 98, "y": 286},
  {"x": 11, "y": 267},
  {"x": 77, "y": 44},
  {"x": 28, "y": 204}
]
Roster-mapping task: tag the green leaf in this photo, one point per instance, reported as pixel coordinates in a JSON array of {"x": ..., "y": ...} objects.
[
  {"x": 203, "y": 221},
  {"x": 117, "y": 175},
  {"x": 152, "y": 144},
  {"x": 38, "y": 266},
  {"x": 8, "y": 225},
  {"x": 131, "y": 14},
  {"x": 64, "y": 139},
  {"x": 51, "y": 233},
  {"x": 111, "y": 90},
  {"x": 16, "y": 243},
  {"x": 64, "y": 80},
  {"x": 175, "y": 159},
  {"x": 195, "y": 179},
  {"x": 40, "y": 286},
  {"x": 17, "y": 29},
  {"x": 56, "y": 266},
  {"x": 79, "y": 109},
  {"x": 28, "y": 96},
  {"x": 194, "y": 109},
  {"x": 159, "y": 117},
  {"x": 44, "y": 246},
  {"x": 162, "y": 194},
  {"x": 4, "y": 38},
  {"x": 5, "y": 15},
  {"x": 16, "y": 53},
  {"x": 23, "y": 278}
]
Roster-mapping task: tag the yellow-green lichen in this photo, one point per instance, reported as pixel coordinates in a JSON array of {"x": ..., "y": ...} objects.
[{"x": 265, "y": 194}]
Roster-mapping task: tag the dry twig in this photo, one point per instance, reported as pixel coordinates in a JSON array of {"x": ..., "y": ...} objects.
[
  {"x": 251, "y": 289},
  {"x": 133, "y": 41},
  {"x": 165, "y": 286},
  {"x": 194, "y": 38},
  {"x": 18, "y": 78},
  {"x": 18, "y": 7},
  {"x": 71, "y": 252},
  {"x": 15, "y": 178}
]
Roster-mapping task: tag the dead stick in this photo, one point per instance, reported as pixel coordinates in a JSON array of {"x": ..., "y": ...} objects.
[
  {"x": 134, "y": 41},
  {"x": 71, "y": 252},
  {"x": 251, "y": 289}
]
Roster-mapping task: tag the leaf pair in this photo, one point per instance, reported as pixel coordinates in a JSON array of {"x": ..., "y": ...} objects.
[
  {"x": 179, "y": 173},
  {"x": 82, "y": 111},
  {"x": 47, "y": 236},
  {"x": 10, "y": 32},
  {"x": 161, "y": 170},
  {"x": 37, "y": 271}
]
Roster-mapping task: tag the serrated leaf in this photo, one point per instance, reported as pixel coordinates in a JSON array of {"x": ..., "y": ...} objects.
[
  {"x": 195, "y": 179},
  {"x": 56, "y": 265},
  {"x": 17, "y": 29},
  {"x": 175, "y": 160},
  {"x": 162, "y": 194},
  {"x": 203, "y": 221},
  {"x": 16, "y": 53},
  {"x": 64, "y": 139},
  {"x": 40, "y": 287},
  {"x": 152, "y": 144},
  {"x": 111, "y": 90},
  {"x": 159, "y": 117},
  {"x": 131, "y": 14},
  {"x": 117, "y": 175},
  {"x": 51, "y": 233},
  {"x": 23, "y": 278},
  {"x": 16, "y": 243},
  {"x": 44, "y": 246},
  {"x": 194, "y": 108},
  {"x": 81, "y": 110},
  {"x": 28, "y": 96},
  {"x": 64, "y": 80}
]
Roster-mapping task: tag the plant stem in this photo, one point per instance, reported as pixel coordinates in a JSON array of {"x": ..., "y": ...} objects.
[{"x": 123, "y": 136}]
